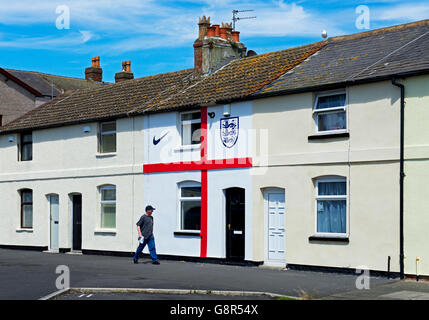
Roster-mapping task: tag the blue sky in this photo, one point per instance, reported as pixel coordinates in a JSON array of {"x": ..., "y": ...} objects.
[{"x": 157, "y": 36}]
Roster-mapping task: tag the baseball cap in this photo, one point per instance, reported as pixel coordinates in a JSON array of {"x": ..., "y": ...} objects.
[{"x": 149, "y": 208}]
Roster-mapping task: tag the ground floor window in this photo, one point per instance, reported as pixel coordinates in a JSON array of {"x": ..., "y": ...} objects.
[
  {"x": 190, "y": 207},
  {"x": 26, "y": 208},
  {"x": 108, "y": 207},
  {"x": 331, "y": 205}
]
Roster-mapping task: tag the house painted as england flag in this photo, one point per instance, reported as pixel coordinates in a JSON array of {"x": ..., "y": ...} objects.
[{"x": 315, "y": 156}]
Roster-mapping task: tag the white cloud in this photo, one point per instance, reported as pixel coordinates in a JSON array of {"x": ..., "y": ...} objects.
[
  {"x": 408, "y": 13},
  {"x": 144, "y": 24},
  {"x": 86, "y": 36}
]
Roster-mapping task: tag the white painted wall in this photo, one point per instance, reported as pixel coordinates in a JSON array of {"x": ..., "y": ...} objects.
[
  {"x": 162, "y": 192},
  {"x": 368, "y": 159},
  {"x": 65, "y": 161},
  {"x": 243, "y": 146},
  {"x": 218, "y": 181}
]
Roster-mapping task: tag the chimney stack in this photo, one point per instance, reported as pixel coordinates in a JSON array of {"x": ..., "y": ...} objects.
[
  {"x": 125, "y": 74},
  {"x": 94, "y": 72},
  {"x": 215, "y": 45}
]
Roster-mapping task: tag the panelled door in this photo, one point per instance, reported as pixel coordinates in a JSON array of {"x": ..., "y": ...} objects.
[
  {"x": 276, "y": 226},
  {"x": 54, "y": 220}
]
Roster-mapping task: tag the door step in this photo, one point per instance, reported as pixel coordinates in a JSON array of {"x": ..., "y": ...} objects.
[
  {"x": 52, "y": 251},
  {"x": 274, "y": 266},
  {"x": 76, "y": 252}
]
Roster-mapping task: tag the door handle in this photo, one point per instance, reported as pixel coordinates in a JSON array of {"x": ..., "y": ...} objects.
[{"x": 229, "y": 226}]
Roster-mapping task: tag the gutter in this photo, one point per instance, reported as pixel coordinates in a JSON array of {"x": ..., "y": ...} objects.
[{"x": 401, "y": 179}]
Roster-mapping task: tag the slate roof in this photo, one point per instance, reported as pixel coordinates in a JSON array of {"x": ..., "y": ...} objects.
[
  {"x": 162, "y": 92},
  {"x": 41, "y": 82},
  {"x": 372, "y": 55}
]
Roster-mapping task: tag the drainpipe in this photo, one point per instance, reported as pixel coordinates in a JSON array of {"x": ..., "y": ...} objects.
[{"x": 401, "y": 180}]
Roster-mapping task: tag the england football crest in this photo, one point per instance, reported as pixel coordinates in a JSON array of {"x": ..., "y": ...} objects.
[{"x": 229, "y": 131}]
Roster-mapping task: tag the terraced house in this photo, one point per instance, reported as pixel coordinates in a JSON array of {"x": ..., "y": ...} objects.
[
  {"x": 22, "y": 91},
  {"x": 312, "y": 156}
]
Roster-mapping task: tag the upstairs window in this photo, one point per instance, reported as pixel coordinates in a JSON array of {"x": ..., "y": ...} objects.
[
  {"x": 107, "y": 137},
  {"x": 108, "y": 207},
  {"x": 26, "y": 152},
  {"x": 331, "y": 204},
  {"x": 190, "y": 128},
  {"x": 330, "y": 113},
  {"x": 190, "y": 207},
  {"x": 26, "y": 208}
]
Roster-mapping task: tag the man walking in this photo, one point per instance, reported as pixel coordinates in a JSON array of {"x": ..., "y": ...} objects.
[{"x": 145, "y": 230}]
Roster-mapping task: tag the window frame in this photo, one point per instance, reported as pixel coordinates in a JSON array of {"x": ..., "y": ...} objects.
[
  {"x": 180, "y": 199},
  {"x": 193, "y": 121},
  {"x": 22, "y": 204},
  {"x": 100, "y": 190},
  {"x": 22, "y": 144},
  {"x": 101, "y": 134},
  {"x": 331, "y": 197},
  {"x": 317, "y": 112}
]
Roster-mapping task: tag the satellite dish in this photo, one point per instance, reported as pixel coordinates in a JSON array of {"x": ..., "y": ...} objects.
[{"x": 324, "y": 34}]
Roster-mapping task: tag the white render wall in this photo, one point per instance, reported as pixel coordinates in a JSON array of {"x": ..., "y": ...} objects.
[
  {"x": 65, "y": 161},
  {"x": 368, "y": 159},
  {"x": 218, "y": 182}
]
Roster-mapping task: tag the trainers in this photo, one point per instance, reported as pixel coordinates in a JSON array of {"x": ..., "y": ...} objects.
[
  {"x": 155, "y": 262},
  {"x": 135, "y": 261}
]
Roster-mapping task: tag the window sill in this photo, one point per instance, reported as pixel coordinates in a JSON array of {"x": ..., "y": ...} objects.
[
  {"x": 24, "y": 230},
  {"x": 105, "y": 231},
  {"x": 336, "y": 135},
  {"x": 190, "y": 147},
  {"x": 187, "y": 233},
  {"x": 333, "y": 238},
  {"x": 105, "y": 155}
]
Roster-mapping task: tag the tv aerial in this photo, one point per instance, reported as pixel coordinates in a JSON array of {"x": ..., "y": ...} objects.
[{"x": 235, "y": 17}]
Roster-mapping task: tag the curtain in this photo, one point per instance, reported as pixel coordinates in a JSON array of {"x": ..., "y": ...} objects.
[
  {"x": 331, "y": 214},
  {"x": 332, "y": 121}
]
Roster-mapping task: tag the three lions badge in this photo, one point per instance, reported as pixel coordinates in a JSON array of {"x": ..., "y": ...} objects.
[{"x": 229, "y": 131}]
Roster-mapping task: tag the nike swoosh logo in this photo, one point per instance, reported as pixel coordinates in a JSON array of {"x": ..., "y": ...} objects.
[{"x": 156, "y": 141}]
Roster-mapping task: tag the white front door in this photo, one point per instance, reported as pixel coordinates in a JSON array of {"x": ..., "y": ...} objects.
[
  {"x": 54, "y": 217},
  {"x": 276, "y": 227}
]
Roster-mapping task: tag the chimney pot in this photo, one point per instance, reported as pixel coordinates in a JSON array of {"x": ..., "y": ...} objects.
[
  {"x": 94, "y": 72},
  {"x": 228, "y": 27},
  {"x": 236, "y": 36},
  {"x": 223, "y": 33},
  {"x": 216, "y": 27},
  {"x": 125, "y": 74},
  {"x": 203, "y": 25},
  {"x": 211, "y": 32}
]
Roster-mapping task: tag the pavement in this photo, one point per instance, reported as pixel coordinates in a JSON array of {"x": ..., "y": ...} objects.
[{"x": 29, "y": 275}]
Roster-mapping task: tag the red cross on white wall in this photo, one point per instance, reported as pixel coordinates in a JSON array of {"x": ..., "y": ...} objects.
[{"x": 202, "y": 165}]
